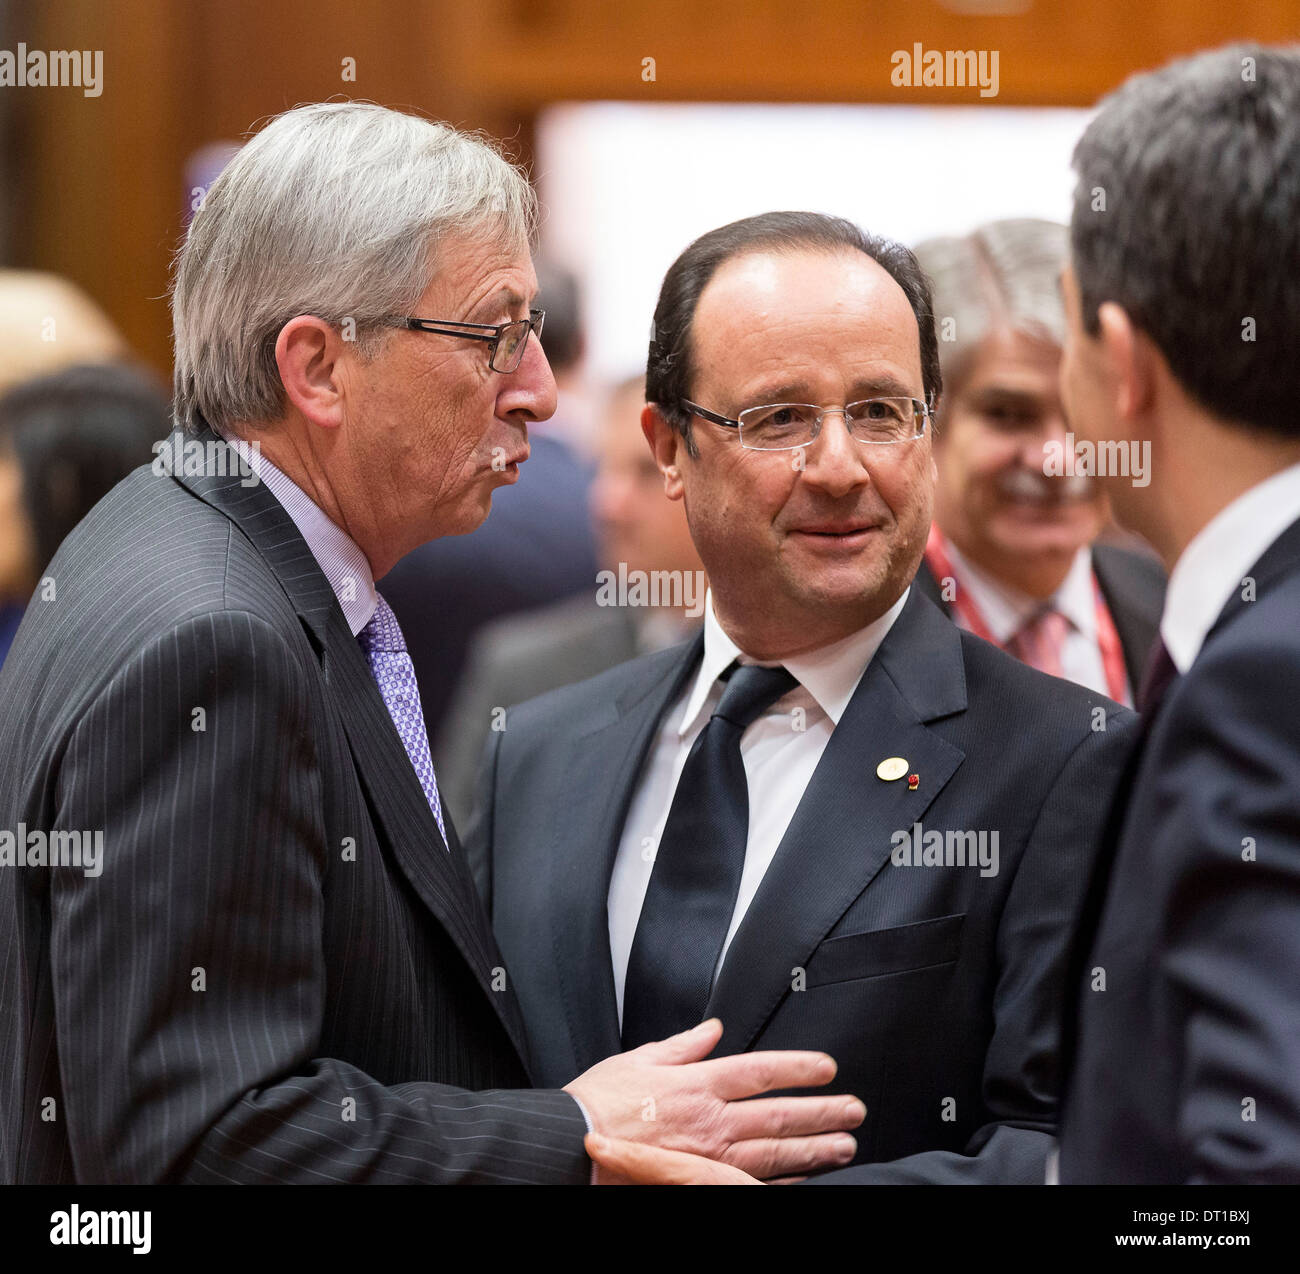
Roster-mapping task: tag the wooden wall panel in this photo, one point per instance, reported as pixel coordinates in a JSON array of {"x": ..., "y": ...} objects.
[{"x": 100, "y": 181}]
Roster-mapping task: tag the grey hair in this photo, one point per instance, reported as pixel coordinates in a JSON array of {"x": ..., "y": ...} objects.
[
  {"x": 333, "y": 209},
  {"x": 1003, "y": 275}
]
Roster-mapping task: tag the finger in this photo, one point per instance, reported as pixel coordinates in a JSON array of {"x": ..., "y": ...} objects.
[
  {"x": 689, "y": 1046},
  {"x": 790, "y": 1117},
  {"x": 747, "y": 1074},
  {"x": 652, "y": 1165},
  {"x": 787, "y": 1156}
]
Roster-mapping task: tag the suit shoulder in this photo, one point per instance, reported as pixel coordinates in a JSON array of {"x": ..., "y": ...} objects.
[
  {"x": 147, "y": 559},
  {"x": 995, "y": 676},
  {"x": 543, "y": 633},
  {"x": 641, "y": 674}
]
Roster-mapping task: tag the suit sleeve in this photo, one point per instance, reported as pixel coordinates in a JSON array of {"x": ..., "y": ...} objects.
[
  {"x": 1022, "y": 1074},
  {"x": 1229, "y": 838},
  {"x": 189, "y": 977}
]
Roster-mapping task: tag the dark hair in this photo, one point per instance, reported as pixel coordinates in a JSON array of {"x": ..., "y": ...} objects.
[
  {"x": 1187, "y": 215},
  {"x": 669, "y": 369},
  {"x": 76, "y": 434},
  {"x": 558, "y": 295}
]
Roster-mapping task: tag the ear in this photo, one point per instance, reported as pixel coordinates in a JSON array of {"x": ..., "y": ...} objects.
[
  {"x": 308, "y": 352},
  {"x": 1130, "y": 357},
  {"x": 667, "y": 446}
]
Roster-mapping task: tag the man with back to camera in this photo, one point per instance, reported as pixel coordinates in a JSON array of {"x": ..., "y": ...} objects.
[{"x": 1183, "y": 332}]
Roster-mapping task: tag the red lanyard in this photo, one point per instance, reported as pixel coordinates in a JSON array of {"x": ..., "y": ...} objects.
[{"x": 963, "y": 605}]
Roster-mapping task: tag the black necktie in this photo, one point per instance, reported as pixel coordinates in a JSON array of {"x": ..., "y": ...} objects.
[{"x": 696, "y": 875}]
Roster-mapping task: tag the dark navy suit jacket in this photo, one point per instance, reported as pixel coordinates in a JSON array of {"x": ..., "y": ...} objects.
[
  {"x": 1187, "y": 1066},
  {"x": 937, "y": 989}
]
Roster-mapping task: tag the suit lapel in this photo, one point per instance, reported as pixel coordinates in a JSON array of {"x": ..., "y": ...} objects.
[
  {"x": 608, "y": 760},
  {"x": 841, "y": 832},
  {"x": 927, "y": 584},
  {"x": 402, "y": 814}
]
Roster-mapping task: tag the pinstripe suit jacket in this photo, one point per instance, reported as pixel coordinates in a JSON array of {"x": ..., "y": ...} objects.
[{"x": 279, "y": 972}]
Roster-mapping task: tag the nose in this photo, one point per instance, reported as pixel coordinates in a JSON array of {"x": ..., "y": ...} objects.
[
  {"x": 528, "y": 391},
  {"x": 834, "y": 460},
  {"x": 1052, "y": 429}
]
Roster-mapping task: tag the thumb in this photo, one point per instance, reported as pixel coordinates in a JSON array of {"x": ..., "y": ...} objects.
[{"x": 690, "y": 1046}]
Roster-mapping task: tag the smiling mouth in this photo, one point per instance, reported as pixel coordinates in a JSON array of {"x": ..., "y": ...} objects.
[{"x": 848, "y": 536}]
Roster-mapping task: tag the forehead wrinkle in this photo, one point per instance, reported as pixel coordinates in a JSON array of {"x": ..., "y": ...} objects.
[{"x": 486, "y": 271}]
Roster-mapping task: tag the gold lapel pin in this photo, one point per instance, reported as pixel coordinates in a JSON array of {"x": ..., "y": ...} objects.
[{"x": 891, "y": 768}]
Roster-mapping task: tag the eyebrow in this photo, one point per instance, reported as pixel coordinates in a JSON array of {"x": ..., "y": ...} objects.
[
  {"x": 503, "y": 299},
  {"x": 881, "y": 386}
]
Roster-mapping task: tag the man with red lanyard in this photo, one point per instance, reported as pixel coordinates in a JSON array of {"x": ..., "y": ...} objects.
[{"x": 1010, "y": 556}]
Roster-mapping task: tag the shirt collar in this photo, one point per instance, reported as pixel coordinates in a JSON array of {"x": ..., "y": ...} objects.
[
  {"x": 336, "y": 552},
  {"x": 830, "y": 673},
  {"x": 1213, "y": 566},
  {"x": 1006, "y": 610}
]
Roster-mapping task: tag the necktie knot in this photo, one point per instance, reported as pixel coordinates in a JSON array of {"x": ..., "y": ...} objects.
[
  {"x": 750, "y": 690},
  {"x": 1041, "y": 641},
  {"x": 383, "y": 633}
]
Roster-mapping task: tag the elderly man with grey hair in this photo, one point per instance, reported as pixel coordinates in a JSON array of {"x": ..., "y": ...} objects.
[
  {"x": 1011, "y": 554},
  {"x": 240, "y": 942}
]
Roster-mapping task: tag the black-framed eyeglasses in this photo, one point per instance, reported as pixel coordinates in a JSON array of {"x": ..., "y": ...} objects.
[
  {"x": 786, "y": 426},
  {"x": 506, "y": 341}
]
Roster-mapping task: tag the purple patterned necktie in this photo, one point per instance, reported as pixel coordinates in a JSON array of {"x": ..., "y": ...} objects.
[{"x": 394, "y": 673}]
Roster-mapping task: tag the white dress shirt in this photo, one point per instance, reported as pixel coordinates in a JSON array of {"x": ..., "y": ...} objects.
[
  {"x": 1214, "y": 565},
  {"x": 779, "y": 758},
  {"x": 336, "y": 552},
  {"x": 1006, "y": 610}
]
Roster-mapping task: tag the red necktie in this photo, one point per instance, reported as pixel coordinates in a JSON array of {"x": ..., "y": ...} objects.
[{"x": 1041, "y": 641}]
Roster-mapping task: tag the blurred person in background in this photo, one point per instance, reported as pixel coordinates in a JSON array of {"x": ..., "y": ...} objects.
[
  {"x": 1011, "y": 555},
  {"x": 46, "y": 323},
  {"x": 537, "y": 548},
  {"x": 65, "y": 441},
  {"x": 638, "y": 529}
]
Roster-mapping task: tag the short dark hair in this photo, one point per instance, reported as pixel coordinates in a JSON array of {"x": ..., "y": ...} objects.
[
  {"x": 669, "y": 366},
  {"x": 76, "y": 434},
  {"x": 1187, "y": 215}
]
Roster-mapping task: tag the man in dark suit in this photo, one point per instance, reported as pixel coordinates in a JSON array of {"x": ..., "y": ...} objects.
[
  {"x": 834, "y": 819},
  {"x": 1183, "y": 333},
  {"x": 240, "y": 942},
  {"x": 1012, "y": 555}
]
